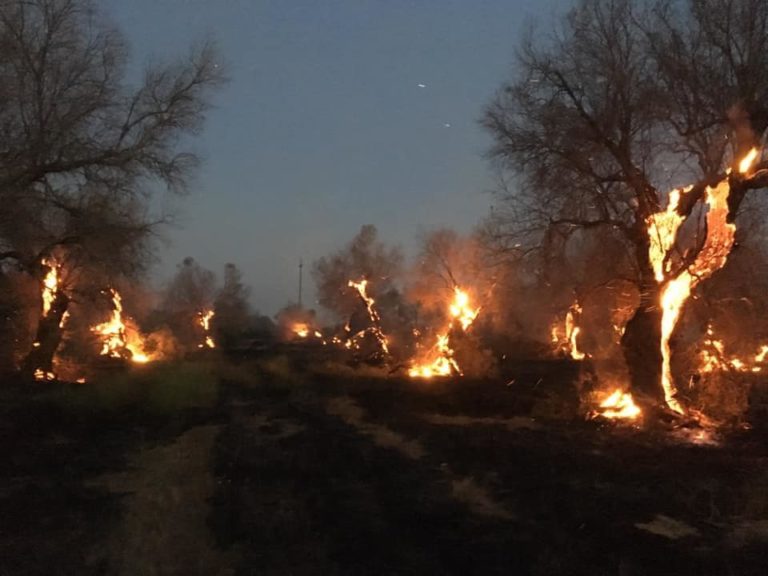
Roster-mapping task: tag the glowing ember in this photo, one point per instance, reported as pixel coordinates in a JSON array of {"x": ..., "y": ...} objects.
[
  {"x": 440, "y": 361},
  {"x": 121, "y": 339},
  {"x": 662, "y": 231},
  {"x": 618, "y": 406},
  {"x": 204, "y": 319}
]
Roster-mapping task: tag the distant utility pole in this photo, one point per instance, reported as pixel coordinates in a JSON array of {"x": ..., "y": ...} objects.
[{"x": 301, "y": 268}]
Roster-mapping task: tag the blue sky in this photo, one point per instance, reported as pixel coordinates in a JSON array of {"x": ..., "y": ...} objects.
[{"x": 324, "y": 127}]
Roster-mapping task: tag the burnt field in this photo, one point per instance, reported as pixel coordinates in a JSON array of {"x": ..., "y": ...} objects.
[{"x": 270, "y": 467}]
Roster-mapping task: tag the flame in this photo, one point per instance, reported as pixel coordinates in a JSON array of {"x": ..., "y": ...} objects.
[
  {"x": 713, "y": 358},
  {"x": 41, "y": 375},
  {"x": 121, "y": 338},
  {"x": 662, "y": 231},
  {"x": 460, "y": 309},
  {"x": 618, "y": 405},
  {"x": 442, "y": 362},
  {"x": 301, "y": 330},
  {"x": 50, "y": 284},
  {"x": 747, "y": 161},
  {"x": 204, "y": 320},
  {"x": 361, "y": 287},
  {"x": 565, "y": 337}
]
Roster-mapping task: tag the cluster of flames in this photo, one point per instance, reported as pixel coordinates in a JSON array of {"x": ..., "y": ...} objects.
[
  {"x": 440, "y": 361},
  {"x": 119, "y": 335},
  {"x": 713, "y": 357},
  {"x": 121, "y": 338}
]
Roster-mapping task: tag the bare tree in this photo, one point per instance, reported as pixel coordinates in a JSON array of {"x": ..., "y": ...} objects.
[
  {"x": 622, "y": 102},
  {"x": 80, "y": 149}
]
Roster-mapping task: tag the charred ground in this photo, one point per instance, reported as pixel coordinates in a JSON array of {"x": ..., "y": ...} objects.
[{"x": 269, "y": 467}]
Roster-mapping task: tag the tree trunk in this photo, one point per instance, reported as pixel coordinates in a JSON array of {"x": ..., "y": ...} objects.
[
  {"x": 641, "y": 345},
  {"x": 47, "y": 339},
  {"x": 7, "y": 338},
  {"x": 641, "y": 341}
]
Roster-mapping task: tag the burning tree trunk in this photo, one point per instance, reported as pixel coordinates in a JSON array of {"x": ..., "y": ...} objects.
[
  {"x": 642, "y": 333},
  {"x": 47, "y": 339},
  {"x": 55, "y": 302}
]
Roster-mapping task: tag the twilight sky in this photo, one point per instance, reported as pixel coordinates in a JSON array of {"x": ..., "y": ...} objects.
[{"x": 324, "y": 127}]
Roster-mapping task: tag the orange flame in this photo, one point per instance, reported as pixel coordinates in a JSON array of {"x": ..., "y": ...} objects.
[
  {"x": 618, "y": 406},
  {"x": 442, "y": 362},
  {"x": 50, "y": 284},
  {"x": 565, "y": 337},
  {"x": 662, "y": 230},
  {"x": 204, "y": 319},
  {"x": 361, "y": 287},
  {"x": 121, "y": 338},
  {"x": 713, "y": 358},
  {"x": 40, "y": 375}
]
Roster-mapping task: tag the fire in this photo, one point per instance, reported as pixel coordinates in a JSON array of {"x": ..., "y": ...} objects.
[
  {"x": 566, "y": 337},
  {"x": 41, "y": 375},
  {"x": 747, "y": 161},
  {"x": 301, "y": 330},
  {"x": 460, "y": 309},
  {"x": 713, "y": 358},
  {"x": 618, "y": 405},
  {"x": 50, "y": 284},
  {"x": 662, "y": 231},
  {"x": 442, "y": 361},
  {"x": 361, "y": 287},
  {"x": 121, "y": 338},
  {"x": 204, "y": 319}
]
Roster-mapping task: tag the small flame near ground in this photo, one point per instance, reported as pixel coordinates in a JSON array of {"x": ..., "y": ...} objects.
[{"x": 617, "y": 405}]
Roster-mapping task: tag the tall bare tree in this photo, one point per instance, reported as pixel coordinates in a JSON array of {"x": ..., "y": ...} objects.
[
  {"x": 81, "y": 150},
  {"x": 603, "y": 116}
]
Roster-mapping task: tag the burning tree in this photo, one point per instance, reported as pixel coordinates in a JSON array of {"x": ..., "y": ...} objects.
[
  {"x": 358, "y": 284},
  {"x": 80, "y": 148},
  {"x": 624, "y": 102},
  {"x": 188, "y": 304}
]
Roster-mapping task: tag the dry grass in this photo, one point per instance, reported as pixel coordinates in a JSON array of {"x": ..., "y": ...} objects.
[{"x": 163, "y": 529}]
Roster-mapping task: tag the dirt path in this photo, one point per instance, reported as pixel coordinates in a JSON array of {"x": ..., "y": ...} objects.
[{"x": 164, "y": 522}]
